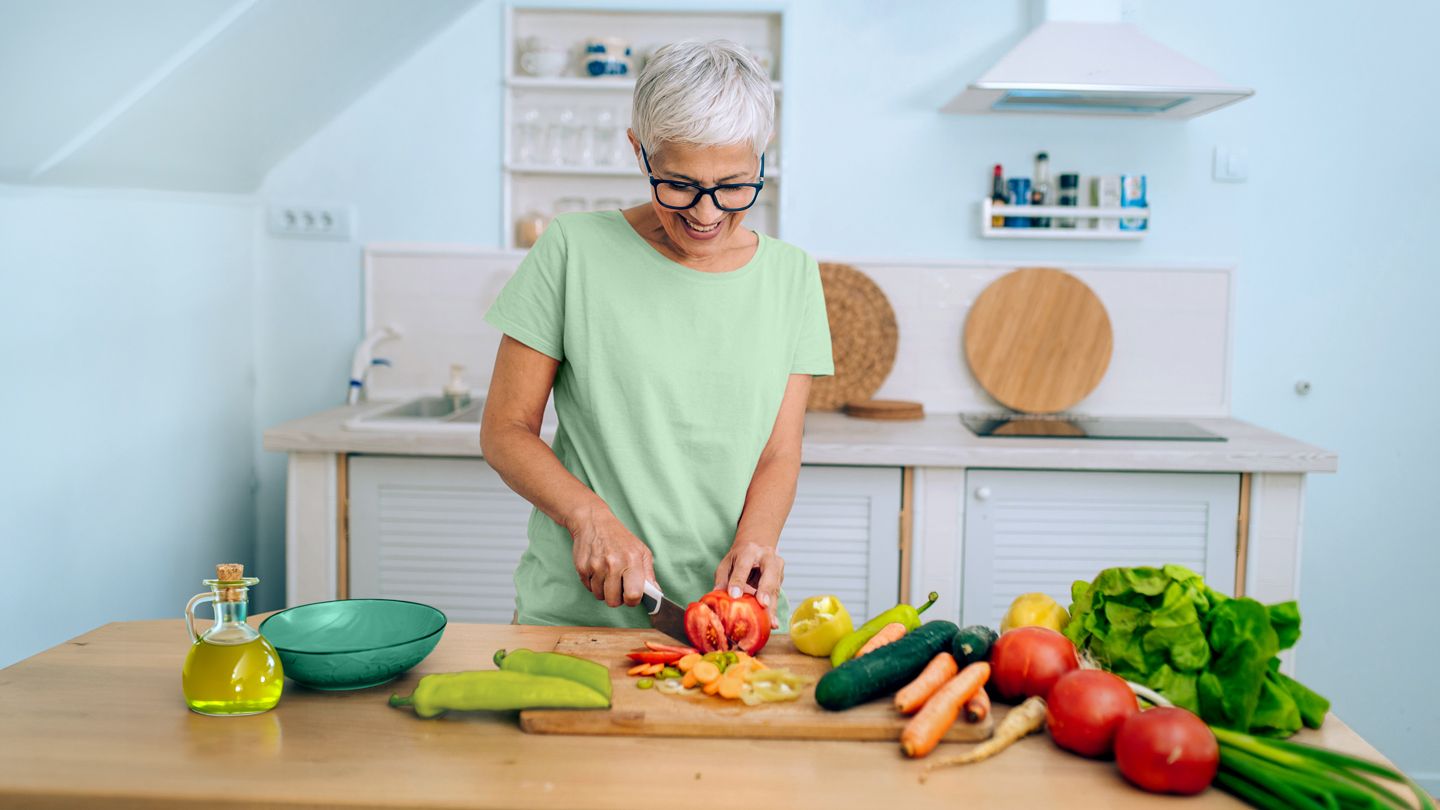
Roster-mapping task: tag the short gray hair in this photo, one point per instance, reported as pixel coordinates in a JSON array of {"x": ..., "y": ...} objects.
[{"x": 704, "y": 93}]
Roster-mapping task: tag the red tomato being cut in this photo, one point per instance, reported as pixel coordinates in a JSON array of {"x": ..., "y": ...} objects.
[
  {"x": 1027, "y": 661},
  {"x": 1167, "y": 751},
  {"x": 718, "y": 622},
  {"x": 1085, "y": 708}
]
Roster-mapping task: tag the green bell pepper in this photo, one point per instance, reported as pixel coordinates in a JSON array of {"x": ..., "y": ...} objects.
[{"x": 909, "y": 616}]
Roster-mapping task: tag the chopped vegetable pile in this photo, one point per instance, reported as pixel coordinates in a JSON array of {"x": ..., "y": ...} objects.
[
  {"x": 1204, "y": 651},
  {"x": 731, "y": 674}
]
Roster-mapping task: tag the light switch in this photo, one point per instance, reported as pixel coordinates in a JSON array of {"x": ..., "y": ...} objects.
[{"x": 1231, "y": 165}]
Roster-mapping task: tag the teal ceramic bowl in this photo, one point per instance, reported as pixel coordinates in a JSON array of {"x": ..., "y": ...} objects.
[{"x": 353, "y": 643}]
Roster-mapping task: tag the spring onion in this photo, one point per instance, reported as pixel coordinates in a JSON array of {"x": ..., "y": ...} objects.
[{"x": 1268, "y": 773}]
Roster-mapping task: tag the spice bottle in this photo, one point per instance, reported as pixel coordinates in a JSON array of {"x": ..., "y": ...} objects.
[
  {"x": 1069, "y": 197},
  {"x": 1040, "y": 191},
  {"x": 998, "y": 196}
]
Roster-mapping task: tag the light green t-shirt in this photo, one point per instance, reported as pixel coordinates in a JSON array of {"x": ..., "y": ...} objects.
[{"x": 669, "y": 383}]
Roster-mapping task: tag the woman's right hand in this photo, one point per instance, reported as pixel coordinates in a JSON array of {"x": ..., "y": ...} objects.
[{"x": 612, "y": 562}]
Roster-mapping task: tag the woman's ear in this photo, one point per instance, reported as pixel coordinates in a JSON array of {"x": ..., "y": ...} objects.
[{"x": 635, "y": 144}]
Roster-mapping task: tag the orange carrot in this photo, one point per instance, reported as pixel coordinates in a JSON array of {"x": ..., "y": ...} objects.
[
  {"x": 731, "y": 685},
  {"x": 925, "y": 729},
  {"x": 638, "y": 669},
  {"x": 706, "y": 672},
  {"x": 893, "y": 631},
  {"x": 976, "y": 708},
  {"x": 689, "y": 680},
  {"x": 688, "y": 662},
  {"x": 935, "y": 675},
  {"x": 711, "y": 687}
]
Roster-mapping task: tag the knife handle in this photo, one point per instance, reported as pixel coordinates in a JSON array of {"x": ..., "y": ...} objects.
[{"x": 654, "y": 594}]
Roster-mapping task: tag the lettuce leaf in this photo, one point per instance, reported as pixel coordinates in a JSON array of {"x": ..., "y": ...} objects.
[{"x": 1204, "y": 651}]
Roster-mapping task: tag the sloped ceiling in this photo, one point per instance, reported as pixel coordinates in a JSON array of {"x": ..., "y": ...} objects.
[{"x": 199, "y": 95}]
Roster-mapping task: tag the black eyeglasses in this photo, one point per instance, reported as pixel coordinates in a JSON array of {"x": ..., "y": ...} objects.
[{"x": 678, "y": 195}]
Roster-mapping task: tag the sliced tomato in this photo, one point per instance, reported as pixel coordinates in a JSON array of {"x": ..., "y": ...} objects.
[
  {"x": 654, "y": 657},
  {"x": 658, "y": 647},
  {"x": 718, "y": 622},
  {"x": 747, "y": 625},
  {"x": 702, "y": 624}
]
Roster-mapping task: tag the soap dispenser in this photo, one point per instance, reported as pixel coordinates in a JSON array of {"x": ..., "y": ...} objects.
[{"x": 456, "y": 390}]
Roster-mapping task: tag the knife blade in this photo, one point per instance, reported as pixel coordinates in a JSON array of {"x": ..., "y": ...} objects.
[{"x": 665, "y": 616}]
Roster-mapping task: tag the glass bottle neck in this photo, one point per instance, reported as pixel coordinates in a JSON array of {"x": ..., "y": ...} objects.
[
  {"x": 230, "y": 626},
  {"x": 231, "y": 612}
]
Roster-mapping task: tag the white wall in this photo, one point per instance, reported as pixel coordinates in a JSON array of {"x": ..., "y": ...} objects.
[
  {"x": 1325, "y": 290},
  {"x": 126, "y": 409}
]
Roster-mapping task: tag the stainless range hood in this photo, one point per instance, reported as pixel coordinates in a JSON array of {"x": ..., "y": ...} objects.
[{"x": 1096, "y": 68}]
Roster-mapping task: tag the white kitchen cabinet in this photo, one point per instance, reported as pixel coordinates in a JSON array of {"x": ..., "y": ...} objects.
[
  {"x": 843, "y": 537},
  {"x": 443, "y": 531},
  {"x": 449, "y": 532},
  {"x": 1035, "y": 530}
]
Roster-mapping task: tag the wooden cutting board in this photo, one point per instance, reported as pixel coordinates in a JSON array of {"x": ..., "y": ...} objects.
[
  {"x": 1038, "y": 340},
  {"x": 646, "y": 712}
]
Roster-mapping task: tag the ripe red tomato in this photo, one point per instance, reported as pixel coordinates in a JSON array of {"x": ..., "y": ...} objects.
[
  {"x": 1027, "y": 661},
  {"x": 1085, "y": 708},
  {"x": 718, "y": 622},
  {"x": 1167, "y": 751}
]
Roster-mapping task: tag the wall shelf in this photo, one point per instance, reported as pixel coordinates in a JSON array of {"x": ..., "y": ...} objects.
[
  {"x": 529, "y": 186},
  {"x": 1082, "y": 216}
]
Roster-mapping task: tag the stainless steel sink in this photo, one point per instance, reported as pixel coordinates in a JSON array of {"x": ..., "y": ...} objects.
[{"x": 431, "y": 414}]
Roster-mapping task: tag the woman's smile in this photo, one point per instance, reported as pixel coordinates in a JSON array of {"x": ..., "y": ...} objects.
[{"x": 697, "y": 230}]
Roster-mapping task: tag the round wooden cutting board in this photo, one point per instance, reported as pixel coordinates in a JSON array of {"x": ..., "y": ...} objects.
[
  {"x": 1038, "y": 340},
  {"x": 863, "y": 338}
]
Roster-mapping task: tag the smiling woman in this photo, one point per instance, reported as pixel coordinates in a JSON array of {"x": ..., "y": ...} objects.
[{"x": 679, "y": 346}]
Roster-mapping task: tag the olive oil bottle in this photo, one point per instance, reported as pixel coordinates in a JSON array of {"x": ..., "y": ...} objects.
[{"x": 231, "y": 669}]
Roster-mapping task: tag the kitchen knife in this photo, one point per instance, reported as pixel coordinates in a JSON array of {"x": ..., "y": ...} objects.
[{"x": 665, "y": 616}]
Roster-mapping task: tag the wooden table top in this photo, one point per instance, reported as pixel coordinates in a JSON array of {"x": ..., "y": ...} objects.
[{"x": 101, "y": 719}]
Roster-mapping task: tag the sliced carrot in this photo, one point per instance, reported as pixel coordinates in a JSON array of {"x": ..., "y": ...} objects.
[
  {"x": 757, "y": 664},
  {"x": 730, "y": 687},
  {"x": 978, "y": 707},
  {"x": 638, "y": 669},
  {"x": 925, "y": 729},
  {"x": 936, "y": 673},
  {"x": 689, "y": 680},
  {"x": 893, "y": 631},
  {"x": 688, "y": 662},
  {"x": 655, "y": 669},
  {"x": 706, "y": 672},
  {"x": 711, "y": 687}
]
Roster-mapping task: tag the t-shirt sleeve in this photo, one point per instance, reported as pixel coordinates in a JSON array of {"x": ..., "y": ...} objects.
[
  {"x": 531, "y": 306},
  {"x": 812, "y": 351}
]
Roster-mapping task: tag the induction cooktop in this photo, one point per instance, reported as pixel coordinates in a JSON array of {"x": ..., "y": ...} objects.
[{"x": 1029, "y": 426}]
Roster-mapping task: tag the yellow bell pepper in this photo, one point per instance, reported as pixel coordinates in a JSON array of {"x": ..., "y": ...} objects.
[
  {"x": 818, "y": 624},
  {"x": 1035, "y": 610}
]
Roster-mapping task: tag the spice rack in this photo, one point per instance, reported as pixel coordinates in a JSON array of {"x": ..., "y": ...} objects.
[{"x": 1081, "y": 214}]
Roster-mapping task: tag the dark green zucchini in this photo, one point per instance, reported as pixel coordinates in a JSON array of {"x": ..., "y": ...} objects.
[
  {"x": 973, "y": 644},
  {"x": 885, "y": 670}
]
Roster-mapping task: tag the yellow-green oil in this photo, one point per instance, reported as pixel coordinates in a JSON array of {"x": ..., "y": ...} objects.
[{"x": 231, "y": 679}]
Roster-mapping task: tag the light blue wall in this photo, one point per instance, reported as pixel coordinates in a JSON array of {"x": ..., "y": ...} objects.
[
  {"x": 127, "y": 406},
  {"x": 1326, "y": 291}
]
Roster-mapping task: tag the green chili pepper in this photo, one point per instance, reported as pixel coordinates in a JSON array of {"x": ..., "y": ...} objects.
[
  {"x": 497, "y": 690},
  {"x": 556, "y": 665},
  {"x": 669, "y": 672},
  {"x": 909, "y": 616},
  {"x": 644, "y": 683}
]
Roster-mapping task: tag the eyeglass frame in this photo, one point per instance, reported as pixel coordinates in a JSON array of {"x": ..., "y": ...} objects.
[{"x": 701, "y": 191}]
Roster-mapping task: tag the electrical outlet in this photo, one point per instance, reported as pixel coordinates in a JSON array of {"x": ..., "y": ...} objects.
[
  {"x": 1232, "y": 165},
  {"x": 312, "y": 221}
]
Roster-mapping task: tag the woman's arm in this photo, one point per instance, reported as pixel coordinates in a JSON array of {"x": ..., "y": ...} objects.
[
  {"x": 612, "y": 562},
  {"x": 768, "y": 502}
]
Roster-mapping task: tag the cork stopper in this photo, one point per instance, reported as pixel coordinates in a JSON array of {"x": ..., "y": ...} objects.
[{"x": 230, "y": 572}]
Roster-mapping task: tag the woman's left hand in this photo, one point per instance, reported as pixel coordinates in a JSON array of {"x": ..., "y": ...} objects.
[{"x": 736, "y": 574}]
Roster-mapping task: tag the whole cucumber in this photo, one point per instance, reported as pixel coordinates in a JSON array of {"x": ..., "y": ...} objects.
[{"x": 885, "y": 670}]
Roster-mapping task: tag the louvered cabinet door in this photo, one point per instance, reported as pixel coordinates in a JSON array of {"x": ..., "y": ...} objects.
[
  {"x": 1040, "y": 531},
  {"x": 843, "y": 538},
  {"x": 446, "y": 532}
]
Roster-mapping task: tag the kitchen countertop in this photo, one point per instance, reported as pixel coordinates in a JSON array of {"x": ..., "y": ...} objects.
[
  {"x": 938, "y": 440},
  {"x": 99, "y": 720}
]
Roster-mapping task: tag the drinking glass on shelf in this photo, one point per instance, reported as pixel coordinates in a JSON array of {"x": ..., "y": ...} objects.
[
  {"x": 569, "y": 205},
  {"x": 603, "y": 134},
  {"x": 608, "y": 203},
  {"x": 527, "y": 140},
  {"x": 574, "y": 149},
  {"x": 558, "y": 134}
]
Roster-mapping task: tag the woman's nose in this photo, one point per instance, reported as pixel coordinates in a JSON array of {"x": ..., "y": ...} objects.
[{"x": 706, "y": 211}]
